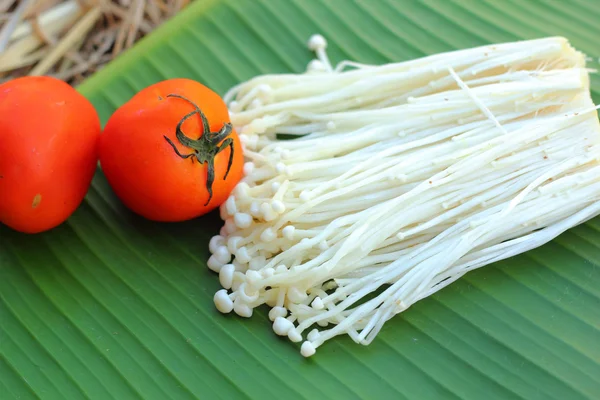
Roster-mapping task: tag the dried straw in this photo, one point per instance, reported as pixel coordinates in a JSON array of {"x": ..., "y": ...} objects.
[{"x": 70, "y": 39}]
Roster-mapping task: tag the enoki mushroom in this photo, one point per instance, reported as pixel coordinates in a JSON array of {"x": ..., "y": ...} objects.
[{"x": 402, "y": 178}]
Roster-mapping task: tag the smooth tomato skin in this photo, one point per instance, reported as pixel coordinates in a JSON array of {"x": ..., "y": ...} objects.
[
  {"x": 48, "y": 152},
  {"x": 143, "y": 169}
]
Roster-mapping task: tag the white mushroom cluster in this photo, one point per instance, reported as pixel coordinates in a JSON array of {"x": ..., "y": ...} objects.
[{"x": 400, "y": 179}]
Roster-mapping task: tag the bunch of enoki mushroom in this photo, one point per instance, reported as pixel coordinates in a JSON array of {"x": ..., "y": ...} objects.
[
  {"x": 70, "y": 39},
  {"x": 403, "y": 177}
]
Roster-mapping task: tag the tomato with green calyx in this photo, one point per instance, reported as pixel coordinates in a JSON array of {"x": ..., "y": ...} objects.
[
  {"x": 48, "y": 152},
  {"x": 170, "y": 153}
]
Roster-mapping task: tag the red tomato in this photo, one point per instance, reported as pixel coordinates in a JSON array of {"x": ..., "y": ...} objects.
[
  {"x": 48, "y": 152},
  {"x": 164, "y": 175}
]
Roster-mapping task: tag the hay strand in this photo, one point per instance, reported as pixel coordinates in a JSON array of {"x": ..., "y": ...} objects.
[
  {"x": 81, "y": 28},
  {"x": 71, "y": 39},
  {"x": 11, "y": 25}
]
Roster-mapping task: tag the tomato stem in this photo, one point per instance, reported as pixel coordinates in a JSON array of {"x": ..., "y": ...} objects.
[{"x": 206, "y": 147}]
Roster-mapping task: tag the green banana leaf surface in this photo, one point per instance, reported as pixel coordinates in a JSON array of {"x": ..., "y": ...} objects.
[{"x": 112, "y": 306}]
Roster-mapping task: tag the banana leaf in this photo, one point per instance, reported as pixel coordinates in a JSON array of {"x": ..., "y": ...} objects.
[{"x": 112, "y": 306}]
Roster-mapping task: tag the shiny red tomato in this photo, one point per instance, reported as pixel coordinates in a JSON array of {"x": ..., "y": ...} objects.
[
  {"x": 170, "y": 153},
  {"x": 48, "y": 152}
]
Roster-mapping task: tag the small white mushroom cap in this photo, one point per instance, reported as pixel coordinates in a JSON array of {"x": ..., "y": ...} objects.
[
  {"x": 282, "y": 326},
  {"x": 223, "y": 302},
  {"x": 307, "y": 349},
  {"x": 317, "y": 42}
]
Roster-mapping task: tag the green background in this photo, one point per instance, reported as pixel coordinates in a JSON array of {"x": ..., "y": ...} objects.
[{"x": 110, "y": 306}]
